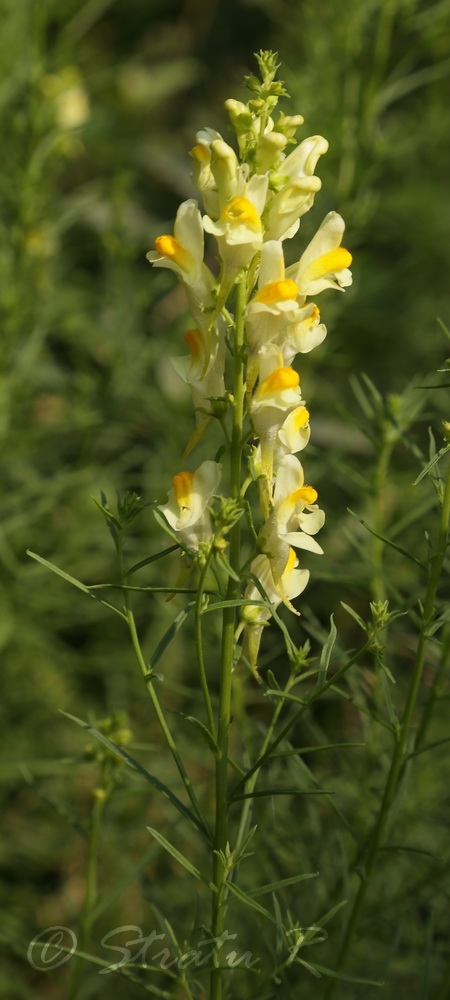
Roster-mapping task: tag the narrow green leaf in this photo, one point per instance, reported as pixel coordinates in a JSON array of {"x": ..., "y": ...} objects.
[
  {"x": 150, "y": 559},
  {"x": 326, "y": 652},
  {"x": 263, "y": 793},
  {"x": 429, "y": 746},
  {"x": 387, "y": 541},
  {"x": 121, "y": 970},
  {"x": 331, "y": 913},
  {"x": 363, "y": 709},
  {"x": 217, "y": 606},
  {"x": 221, "y": 558},
  {"x": 169, "y": 634},
  {"x": 205, "y": 732},
  {"x": 286, "y": 695},
  {"x": 338, "y": 975},
  {"x": 430, "y": 465},
  {"x": 281, "y": 884},
  {"x": 354, "y": 615},
  {"x": 298, "y": 751},
  {"x": 182, "y": 860},
  {"x": 412, "y": 850},
  {"x": 243, "y": 897},
  {"x": 74, "y": 582},
  {"x": 107, "y": 513},
  {"x": 136, "y": 766}
]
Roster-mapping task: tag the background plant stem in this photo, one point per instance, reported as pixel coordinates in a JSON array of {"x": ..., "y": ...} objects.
[{"x": 400, "y": 748}]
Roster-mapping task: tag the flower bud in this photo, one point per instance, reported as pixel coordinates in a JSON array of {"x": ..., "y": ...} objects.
[
  {"x": 240, "y": 116},
  {"x": 268, "y": 150}
]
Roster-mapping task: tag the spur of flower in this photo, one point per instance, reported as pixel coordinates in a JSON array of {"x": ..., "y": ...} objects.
[
  {"x": 255, "y": 616},
  {"x": 203, "y": 370},
  {"x": 186, "y": 509}
]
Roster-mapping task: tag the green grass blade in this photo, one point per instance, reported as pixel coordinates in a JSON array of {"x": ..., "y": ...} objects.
[
  {"x": 74, "y": 582},
  {"x": 182, "y": 860},
  {"x": 136, "y": 766},
  {"x": 281, "y": 884}
]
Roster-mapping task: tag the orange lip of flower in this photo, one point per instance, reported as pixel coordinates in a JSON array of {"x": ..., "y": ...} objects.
[
  {"x": 182, "y": 484},
  {"x": 277, "y": 291},
  {"x": 282, "y": 378},
  {"x": 307, "y": 493},
  {"x": 169, "y": 247},
  {"x": 300, "y": 417},
  {"x": 329, "y": 263},
  {"x": 240, "y": 211}
]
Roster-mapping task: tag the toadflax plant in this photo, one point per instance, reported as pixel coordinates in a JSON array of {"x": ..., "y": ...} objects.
[{"x": 259, "y": 315}]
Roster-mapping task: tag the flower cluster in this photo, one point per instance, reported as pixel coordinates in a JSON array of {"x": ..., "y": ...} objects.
[{"x": 253, "y": 204}]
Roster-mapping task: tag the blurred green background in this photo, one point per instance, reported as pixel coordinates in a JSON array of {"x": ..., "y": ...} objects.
[{"x": 100, "y": 105}]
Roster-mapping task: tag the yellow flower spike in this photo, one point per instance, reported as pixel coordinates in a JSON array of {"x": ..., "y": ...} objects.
[
  {"x": 335, "y": 260},
  {"x": 169, "y": 247},
  {"x": 182, "y": 484},
  {"x": 240, "y": 211},
  {"x": 282, "y": 378},
  {"x": 277, "y": 291}
]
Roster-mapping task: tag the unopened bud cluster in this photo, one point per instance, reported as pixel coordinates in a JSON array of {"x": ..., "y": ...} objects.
[{"x": 253, "y": 202}]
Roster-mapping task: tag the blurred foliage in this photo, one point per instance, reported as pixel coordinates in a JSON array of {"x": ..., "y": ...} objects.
[{"x": 100, "y": 103}]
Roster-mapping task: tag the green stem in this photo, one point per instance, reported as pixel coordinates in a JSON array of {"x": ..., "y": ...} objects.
[
  {"x": 437, "y": 689},
  {"x": 378, "y": 588},
  {"x": 400, "y": 749},
  {"x": 228, "y": 625},
  {"x": 154, "y": 697},
  {"x": 199, "y": 643},
  {"x": 90, "y": 891}
]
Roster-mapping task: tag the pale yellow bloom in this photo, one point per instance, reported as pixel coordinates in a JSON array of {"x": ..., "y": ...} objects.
[
  {"x": 186, "y": 506},
  {"x": 294, "y": 508},
  {"x": 277, "y": 315},
  {"x": 183, "y": 253},
  {"x": 324, "y": 264},
  {"x": 274, "y": 399}
]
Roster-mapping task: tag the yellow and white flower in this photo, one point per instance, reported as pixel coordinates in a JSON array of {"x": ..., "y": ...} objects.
[
  {"x": 296, "y": 195},
  {"x": 183, "y": 253},
  {"x": 294, "y": 508},
  {"x": 324, "y": 264},
  {"x": 277, "y": 315},
  {"x": 239, "y": 230},
  {"x": 278, "y": 393},
  {"x": 293, "y": 583},
  {"x": 187, "y": 502}
]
